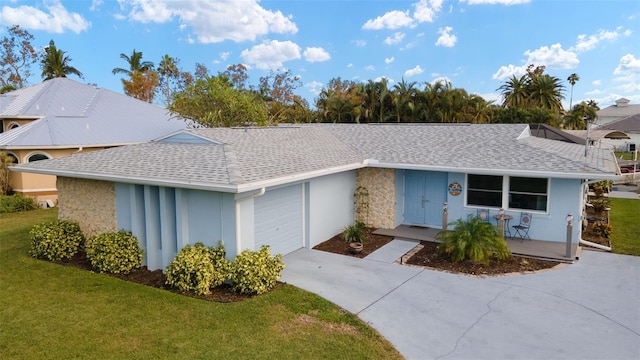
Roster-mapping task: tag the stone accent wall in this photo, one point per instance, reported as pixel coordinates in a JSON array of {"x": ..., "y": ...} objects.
[
  {"x": 91, "y": 203},
  {"x": 380, "y": 183}
]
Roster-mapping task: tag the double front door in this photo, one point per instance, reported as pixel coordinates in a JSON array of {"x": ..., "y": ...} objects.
[{"x": 425, "y": 193}]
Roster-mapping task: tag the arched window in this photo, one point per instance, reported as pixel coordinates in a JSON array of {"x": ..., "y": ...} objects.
[
  {"x": 37, "y": 157},
  {"x": 13, "y": 158},
  {"x": 12, "y": 126}
]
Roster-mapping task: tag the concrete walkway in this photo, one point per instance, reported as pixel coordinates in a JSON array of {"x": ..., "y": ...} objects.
[{"x": 586, "y": 310}]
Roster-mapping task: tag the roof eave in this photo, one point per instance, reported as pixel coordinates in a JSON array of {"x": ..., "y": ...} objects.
[{"x": 485, "y": 171}]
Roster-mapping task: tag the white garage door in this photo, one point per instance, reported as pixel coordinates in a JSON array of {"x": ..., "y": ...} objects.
[{"x": 278, "y": 219}]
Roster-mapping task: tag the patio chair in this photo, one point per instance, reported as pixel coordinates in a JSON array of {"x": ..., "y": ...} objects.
[
  {"x": 484, "y": 215},
  {"x": 522, "y": 229}
]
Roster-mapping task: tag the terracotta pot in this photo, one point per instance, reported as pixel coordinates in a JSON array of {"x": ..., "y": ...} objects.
[{"x": 355, "y": 247}]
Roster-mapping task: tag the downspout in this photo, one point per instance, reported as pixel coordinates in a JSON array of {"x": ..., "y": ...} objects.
[
  {"x": 238, "y": 227},
  {"x": 589, "y": 243}
]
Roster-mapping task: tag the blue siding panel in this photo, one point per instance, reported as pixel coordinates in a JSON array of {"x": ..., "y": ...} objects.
[
  {"x": 168, "y": 232},
  {"x": 152, "y": 227}
]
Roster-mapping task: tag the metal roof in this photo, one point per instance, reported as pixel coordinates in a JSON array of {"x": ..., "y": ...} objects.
[
  {"x": 247, "y": 159},
  {"x": 73, "y": 114}
]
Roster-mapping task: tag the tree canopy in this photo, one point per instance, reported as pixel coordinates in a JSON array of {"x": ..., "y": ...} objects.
[{"x": 56, "y": 64}]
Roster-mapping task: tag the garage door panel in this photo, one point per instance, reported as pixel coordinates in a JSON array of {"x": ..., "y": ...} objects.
[{"x": 278, "y": 219}]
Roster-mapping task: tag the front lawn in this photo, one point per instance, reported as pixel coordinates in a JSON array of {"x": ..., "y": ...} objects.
[
  {"x": 61, "y": 312},
  {"x": 623, "y": 217}
]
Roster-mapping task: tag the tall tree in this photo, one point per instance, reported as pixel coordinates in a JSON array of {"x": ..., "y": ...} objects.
[
  {"x": 514, "y": 92},
  {"x": 213, "y": 102},
  {"x": 55, "y": 63},
  {"x": 135, "y": 64},
  {"x": 404, "y": 100},
  {"x": 545, "y": 91},
  {"x": 168, "y": 76},
  {"x": 17, "y": 55},
  {"x": 572, "y": 79},
  {"x": 143, "y": 80}
]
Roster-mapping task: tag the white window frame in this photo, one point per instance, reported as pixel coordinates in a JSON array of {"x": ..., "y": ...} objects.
[
  {"x": 26, "y": 157},
  {"x": 506, "y": 182}
]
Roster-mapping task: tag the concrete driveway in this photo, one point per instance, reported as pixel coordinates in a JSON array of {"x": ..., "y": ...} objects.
[{"x": 586, "y": 310}]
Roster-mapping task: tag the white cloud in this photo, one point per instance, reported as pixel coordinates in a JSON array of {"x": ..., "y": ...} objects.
[
  {"x": 628, "y": 65},
  {"x": 553, "y": 57},
  {"x": 415, "y": 71},
  {"x": 589, "y": 42},
  {"x": 350, "y": 65},
  {"x": 316, "y": 54},
  {"x": 397, "y": 37},
  {"x": 426, "y": 11},
  {"x": 314, "y": 87},
  {"x": 392, "y": 20},
  {"x": 506, "y": 72},
  {"x": 213, "y": 21},
  {"x": 496, "y": 2},
  {"x": 271, "y": 54},
  {"x": 446, "y": 39},
  {"x": 628, "y": 73},
  {"x": 95, "y": 5},
  {"x": 225, "y": 55},
  {"x": 596, "y": 82},
  {"x": 360, "y": 43},
  {"x": 423, "y": 11},
  {"x": 442, "y": 80},
  {"x": 56, "y": 18},
  {"x": 389, "y": 60},
  {"x": 370, "y": 68}
]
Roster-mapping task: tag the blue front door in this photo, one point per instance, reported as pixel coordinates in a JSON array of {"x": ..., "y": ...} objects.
[{"x": 425, "y": 192}]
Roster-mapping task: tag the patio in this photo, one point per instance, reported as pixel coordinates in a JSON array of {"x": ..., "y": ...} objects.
[{"x": 546, "y": 250}]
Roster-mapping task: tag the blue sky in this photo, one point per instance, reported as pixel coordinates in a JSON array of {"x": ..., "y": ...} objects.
[{"x": 474, "y": 44}]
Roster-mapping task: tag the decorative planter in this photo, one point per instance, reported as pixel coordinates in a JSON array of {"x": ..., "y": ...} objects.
[{"x": 355, "y": 247}]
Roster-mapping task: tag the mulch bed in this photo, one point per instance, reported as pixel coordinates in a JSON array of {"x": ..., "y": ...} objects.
[
  {"x": 157, "y": 279},
  {"x": 428, "y": 256}
]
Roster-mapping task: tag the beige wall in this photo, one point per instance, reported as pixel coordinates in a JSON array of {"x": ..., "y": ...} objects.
[
  {"x": 38, "y": 186},
  {"x": 380, "y": 183},
  {"x": 91, "y": 203}
]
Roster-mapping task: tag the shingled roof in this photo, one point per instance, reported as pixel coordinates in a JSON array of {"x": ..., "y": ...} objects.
[
  {"x": 239, "y": 159},
  {"x": 70, "y": 114}
]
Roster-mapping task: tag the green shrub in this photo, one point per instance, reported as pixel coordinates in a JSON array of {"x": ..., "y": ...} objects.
[
  {"x": 56, "y": 240},
  {"x": 256, "y": 272},
  {"x": 354, "y": 233},
  {"x": 473, "y": 239},
  {"x": 114, "y": 252},
  {"x": 601, "y": 229},
  {"x": 16, "y": 203},
  {"x": 198, "y": 268},
  {"x": 600, "y": 204}
]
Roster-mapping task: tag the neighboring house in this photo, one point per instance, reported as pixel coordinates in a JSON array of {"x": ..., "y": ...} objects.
[
  {"x": 60, "y": 117},
  {"x": 292, "y": 187},
  {"x": 630, "y": 126},
  {"x": 600, "y": 137},
  {"x": 622, "y": 109}
]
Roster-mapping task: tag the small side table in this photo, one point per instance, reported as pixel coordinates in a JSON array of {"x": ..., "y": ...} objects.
[{"x": 507, "y": 218}]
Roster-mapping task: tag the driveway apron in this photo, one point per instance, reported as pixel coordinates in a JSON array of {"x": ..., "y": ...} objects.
[{"x": 586, "y": 310}]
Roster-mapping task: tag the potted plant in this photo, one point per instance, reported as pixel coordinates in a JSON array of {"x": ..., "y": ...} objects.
[{"x": 354, "y": 235}]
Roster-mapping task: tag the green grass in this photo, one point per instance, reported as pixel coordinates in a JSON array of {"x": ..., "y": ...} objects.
[
  {"x": 625, "y": 155},
  {"x": 60, "y": 312},
  {"x": 623, "y": 217}
]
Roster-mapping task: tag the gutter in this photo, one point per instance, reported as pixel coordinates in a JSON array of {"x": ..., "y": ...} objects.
[{"x": 238, "y": 200}]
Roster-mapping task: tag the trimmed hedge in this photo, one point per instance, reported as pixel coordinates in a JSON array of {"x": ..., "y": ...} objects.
[
  {"x": 16, "y": 203},
  {"x": 115, "y": 252},
  {"x": 198, "y": 268},
  {"x": 256, "y": 272},
  {"x": 56, "y": 240}
]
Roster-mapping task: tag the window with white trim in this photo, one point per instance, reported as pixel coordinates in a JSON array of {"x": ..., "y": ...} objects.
[
  {"x": 484, "y": 190},
  {"x": 528, "y": 193}
]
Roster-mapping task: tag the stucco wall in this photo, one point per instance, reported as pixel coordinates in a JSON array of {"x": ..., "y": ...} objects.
[
  {"x": 380, "y": 184},
  {"x": 89, "y": 202}
]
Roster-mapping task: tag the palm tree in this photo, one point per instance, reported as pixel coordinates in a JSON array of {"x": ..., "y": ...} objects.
[
  {"x": 56, "y": 64},
  {"x": 572, "y": 79},
  {"x": 514, "y": 92},
  {"x": 168, "y": 69},
  {"x": 403, "y": 99},
  {"x": 545, "y": 91},
  {"x": 136, "y": 65}
]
